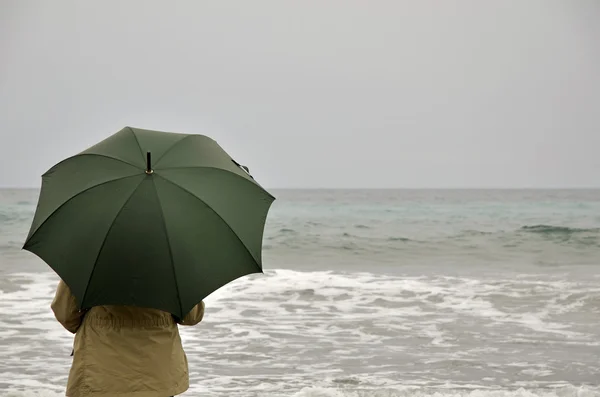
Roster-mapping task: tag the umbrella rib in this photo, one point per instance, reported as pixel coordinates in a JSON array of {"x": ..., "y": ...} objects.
[
  {"x": 138, "y": 143},
  {"x": 108, "y": 157},
  {"x": 253, "y": 182},
  {"x": 104, "y": 241},
  {"x": 164, "y": 224},
  {"x": 91, "y": 154},
  {"x": 71, "y": 198},
  {"x": 171, "y": 148},
  {"x": 217, "y": 214}
]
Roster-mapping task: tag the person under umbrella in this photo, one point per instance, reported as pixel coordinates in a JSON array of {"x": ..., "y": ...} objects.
[
  {"x": 124, "y": 350},
  {"x": 138, "y": 245}
]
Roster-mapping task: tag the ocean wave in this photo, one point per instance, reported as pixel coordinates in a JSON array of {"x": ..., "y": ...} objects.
[
  {"x": 31, "y": 393},
  {"x": 316, "y": 391},
  {"x": 403, "y": 239},
  {"x": 285, "y": 230},
  {"x": 11, "y": 245},
  {"x": 475, "y": 233},
  {"x": 566, "y": 391},
  {"x": 285, "y": 330},
  {"x": 525, "y": 239},
  {"x": 549, "y": 229},
  {"x": 8, "y": 216}
]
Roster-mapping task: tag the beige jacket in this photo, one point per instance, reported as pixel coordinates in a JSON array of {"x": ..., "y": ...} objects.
[{"x": 122, "y": 351}]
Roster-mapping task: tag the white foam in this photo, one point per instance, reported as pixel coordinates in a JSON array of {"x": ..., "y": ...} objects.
[
  {"x": 31, "y": 393},
  {"x": 287, "y": 330},
  {"x": 568, "y": 391}
]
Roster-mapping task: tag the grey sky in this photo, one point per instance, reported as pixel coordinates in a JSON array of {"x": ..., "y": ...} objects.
[{"x": 314, "y": 93}]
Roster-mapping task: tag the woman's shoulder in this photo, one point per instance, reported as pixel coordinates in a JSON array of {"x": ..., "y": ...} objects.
[{"x": 129, "y": 316}]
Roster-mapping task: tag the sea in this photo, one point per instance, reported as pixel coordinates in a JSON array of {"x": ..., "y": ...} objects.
[{"x": 413, "y": 293}]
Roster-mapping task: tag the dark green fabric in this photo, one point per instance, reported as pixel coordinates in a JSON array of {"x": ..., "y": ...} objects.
[{"x": 166, "y": 240}]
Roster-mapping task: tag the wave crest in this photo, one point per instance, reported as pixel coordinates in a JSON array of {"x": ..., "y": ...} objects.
[{"x": 550, "y": 229}]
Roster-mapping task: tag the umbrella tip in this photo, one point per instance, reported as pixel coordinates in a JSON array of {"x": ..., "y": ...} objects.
[{"x": 149, "y": 169}]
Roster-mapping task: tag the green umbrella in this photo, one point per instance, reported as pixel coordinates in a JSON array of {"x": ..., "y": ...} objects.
[{"x": 150, "y": 219}]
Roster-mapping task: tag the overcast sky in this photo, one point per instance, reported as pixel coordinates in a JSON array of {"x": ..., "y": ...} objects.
[{"x": 314, "y": 93}]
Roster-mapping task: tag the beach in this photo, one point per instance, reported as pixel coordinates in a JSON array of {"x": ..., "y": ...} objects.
[{"x": 365, "y": 293}]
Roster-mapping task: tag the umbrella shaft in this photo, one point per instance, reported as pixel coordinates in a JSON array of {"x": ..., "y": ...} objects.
[{"x": 148, "y": 163}]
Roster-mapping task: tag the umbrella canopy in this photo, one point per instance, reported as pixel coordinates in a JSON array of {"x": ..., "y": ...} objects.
[{"x": 150, "y": 219}]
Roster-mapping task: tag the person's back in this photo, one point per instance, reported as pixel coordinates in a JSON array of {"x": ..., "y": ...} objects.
[{"x": 123, "y": 350}]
